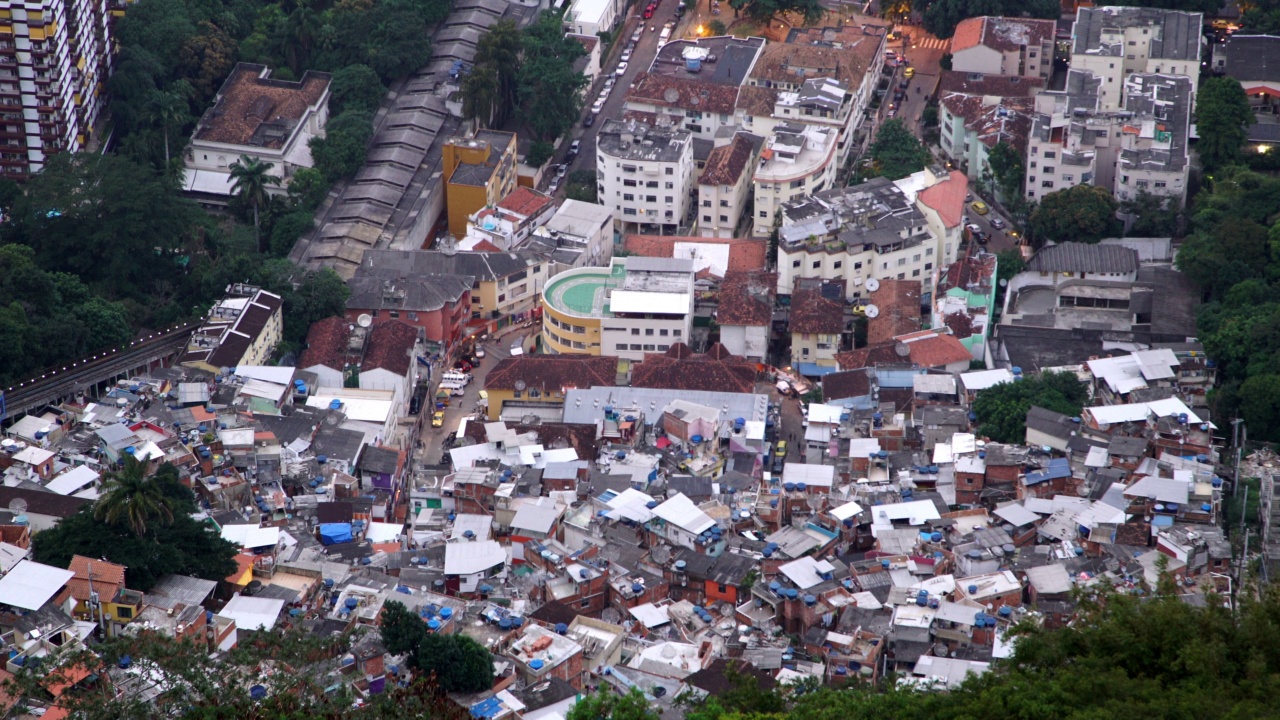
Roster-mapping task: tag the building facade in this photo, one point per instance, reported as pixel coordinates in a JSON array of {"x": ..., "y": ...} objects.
[
  {"x": 645, "y": 174},
  {"x": 480, "y": 170}
]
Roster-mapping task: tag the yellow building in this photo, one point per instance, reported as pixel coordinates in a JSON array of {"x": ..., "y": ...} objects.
[
  {"x": 524, "y": 384},
  {"x": 817, "y": 323},
  {"x": 480, "y": 170},
  {"x": 244, "y": 328}
]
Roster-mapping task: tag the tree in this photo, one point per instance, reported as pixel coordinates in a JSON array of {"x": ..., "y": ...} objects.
[
  {"x": 458, "y": 663},
  {"x": 942, "y": 16},
  {"x": 250, "y": 178},
  {"x": 549, "y": 89},
  {"x": 1223, "y": 117},
  {"x": 1260, "y": 405},
  {"x": 715, "y": 28},
  {"x": 207, "y": 58},
  {"x": 1151, "y": 215},
  {"x": 896, "y": 153},
  {"x": 539, "y": 153},
  {"x": 307, "y": 188},
  {"x": 355, "y": 87},
  {"x": 1083, "y": 213},
  {"x": 1002, "y": 409},
  {"x": 764, "y": 11},
  {"x": 287, "y": 229},
  {"x": 581, "y": 185},
  {"x": 340, "y": 153},
  {"x": 299, "y": 36},
  {"x": 130, "y": 498},
  {"x": 499, "y": 54},
  {"x": 608, "y": 705},
  {"x": 169, "y": 110},
  {"x": 1007, "y": 170}
]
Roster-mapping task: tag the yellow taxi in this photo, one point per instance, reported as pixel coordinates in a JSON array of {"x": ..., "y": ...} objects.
[
  {"x": 780, "y": 449},
  {"x": 437, "y": 420},
  {"x": 909, "y": 73},
  {"x": 980, "y": 207}
]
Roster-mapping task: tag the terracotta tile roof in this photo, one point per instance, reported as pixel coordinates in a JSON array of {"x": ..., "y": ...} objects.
[
  {"x": 968, "y": 34},
  {"x": 675, "y": 92},
  {"x": 793, "y": 63},
  {"x": 931, "y": 349},
  {"x": 326, "y": 344},
  {"x": 486, "y": 246},
  {"x": 747, "y": 298},
  {"x": 726, "y": 163},
  {"x": 955, "y": 81},
  {"x": 753, "y": 100},
  {"x": 947, "y": 198},
  {"x": 745, "y": 254},
  {"x": 525, "y": 201},
  {"x": 924, "y": 349},
  {"x": 814, "y": 314},
  {"x": 589, "y": 42},
  {"x": 248, "y": 103},
  {"x": 106, "y": 578},
  {"x": 681, "y": 369},
  {"x": 552, "y": 372},
  {"x": 898, "y": 302},
  {"x": 390, "y": 347},
  {"x": 846, "y": 384}
]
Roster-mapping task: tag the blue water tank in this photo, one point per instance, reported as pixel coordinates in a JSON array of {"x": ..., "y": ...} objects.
[
  {"x": 433, "y": 624},
  {"x": 789, "y": 487},
  {"x": 973, "y": 589},
  {"x": 535, "y": 664},
  {"x": 775, "y": 586},
  {"x": 792, "y": 593},
  {"x": 505, "y": 623},
  {"x": 468, "y": 534},
  {"x": 801, "y": 486},
  {"x": 446, "y": 612},
  {"x": 1017, "y": 370},
  {"x": 810, "y": 600},
  {"x": 651, "y": 504},
  {"x": 693, "y": 64},
  {"x": 841, "y": 670},
  {"x": 1205, "y": 507},
  {"x": 258, "y": 692},
  {"x": 884, "y": 563},
  {"x": 696, "y": 439},
  {"x": 637, "y": 588},
  {"x": 1005, "y": 611},
  {"x": 561, "y": 628},
  {"x": 935, "y": 537},
  {"x": 322, "y": 459},
  {"x": 126, "y": 662}
]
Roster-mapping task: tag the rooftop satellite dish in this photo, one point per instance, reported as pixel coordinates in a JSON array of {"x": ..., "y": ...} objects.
[
  {"x": 902, "y": 350},
  {"x": 671, "y": 95},
  {"x": 872, "y": 311},
  {"x": 611, "y": 615},
  {"x": 661, "y": 554},
  {"x": 726, "y": 610},
  {"x": 873, "y": 285},
  {"x": 519, "y": 385},
  {"x": 365, "y": 320},
  {"x": 18, "y": 505}
]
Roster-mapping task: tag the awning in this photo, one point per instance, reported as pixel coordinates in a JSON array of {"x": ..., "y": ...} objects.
[
  {"x": 815, "y": 370},
  {"x": 662, "y": 443}
]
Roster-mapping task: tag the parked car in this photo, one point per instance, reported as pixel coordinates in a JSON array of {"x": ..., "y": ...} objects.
[
  {"x": 437, "y": 420},
  {"x": 575, "y": 146},
  {"x": 626, "y": 55},
  {"x": 561, "y": 170},
  {"x": 622, "y": 69},
  {"x": 997, "y": 223},
  {"x": 909, "y": 72},
  {"x": 635, "y": 36},
  {"x": 597, "y": 107},
  {"x": 980, "y": 207},
  {"x": 648, "y": 11},
  {"x": 480, "y": 352},
  {"x": 778, "y": 464},
  {"x": 780, "y": 449},
  {"x": 588, "y": 121}
]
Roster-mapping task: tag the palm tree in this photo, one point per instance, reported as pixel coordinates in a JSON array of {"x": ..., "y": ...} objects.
[
  {"x": 479, "y": 94},
  {"x": 500, "y": 49},
  {"x": 250, "y": 178},
  {"x": 301, "y": 31},
  {"x": 132, "y": 498},
  {"x": 167, "y": 109}
]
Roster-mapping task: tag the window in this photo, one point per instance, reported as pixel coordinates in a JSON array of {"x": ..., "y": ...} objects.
[
  {"x": 651, "y": 198},
  {"x": 902, "y": 261},
  {"x": 837, "y": 264},
  {"x": 635, "y": 331},
  {"x": 587, "y": 603},
  {"x": 628, "y": 211},
  {"x": 670, "y": 185},
  {"x": 817, "y": 264},
  {"x": 1046, "y": 183},
  {"x": 648, "y": 331},
  {"x": 668, "y": 200},
  {"x": 916, "y": 258},
  {"x": 1142, "y": 183},
  {"x": 628, "y": 168},
  {"x": 395, "y": 313},
  {"x": 413, "y": 316},
  {"x": 764, "y": 213},
  {"x": 579, "y": 329},
  {"x": 677, "y": 333},
  {"x": 928, "y": 252},
  {"x": 1048, "y": 169},
  {"x": 671, "y": 171},
  {"x": 1124, "y": 179},
  {"x": 629, "y": 183},
  {"x": 635, "y": 346},
  {"x": 724, "y": 203},
  {"x": 502, "y": 298},
  {"x": 804, "y": 352},
  {"x": 706, "y": 203},
  {"x": 706, "y": 218},
  {"x": 902, "y": 276},
  {"x": 620, "y": 346},
  {"x": 649, "y": 348},
  {"x": 628, "y": 197},
  {"x": 797, "y": 183},
  {"x": 928, "y": 266},
  {"x": 724, "y": 218},
  {"x": 1049, "y": 154},
  {"x": 652, "y": 184},
  {"x": 794, "y": 264},
  {"x": 663, "y": 348},
  {"x": 1033, "y": 164},
  {"x": 664, "y": 332},
  {"x": 915, "y": 273},
  {"x": 124, "y": 613},
  {"x": 1068, "y": 178},
  {"x": 1159, "y": 184},
  {"x": 857, "y": 266}
]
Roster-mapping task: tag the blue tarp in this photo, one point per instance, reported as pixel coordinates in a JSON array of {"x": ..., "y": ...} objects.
[
  {"x": 809, "y": 369},
  {"x": 334, "y": 533}
]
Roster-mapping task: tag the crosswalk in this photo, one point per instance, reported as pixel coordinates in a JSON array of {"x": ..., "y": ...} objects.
[{"x": 931, "y": 43}]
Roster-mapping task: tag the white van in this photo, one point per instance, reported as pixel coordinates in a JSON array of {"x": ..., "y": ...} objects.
[{"x": 455, "y": 377}]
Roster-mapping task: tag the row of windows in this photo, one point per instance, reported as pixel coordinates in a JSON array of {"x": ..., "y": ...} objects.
[
  {"x": 662, "y": 332},
  {"x": 575, "y": 344},
  {"x": 579, "y": 329},
  {"x": 628, "y": 197},
  {"x": 642, "y": 348},
  {"x": 650, "y": 184},
  {"x": 632, "y": 168}
]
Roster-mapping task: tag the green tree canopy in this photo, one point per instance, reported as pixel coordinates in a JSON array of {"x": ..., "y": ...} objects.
[
  {"x": 1223, "y": 117},
  {"x": 340, "y": 153},
  {"x": 942, "y": 16},
  {"x": 1007, "y": 170},
  {"x": 550, "y": 91},
  {"x": 896, "y": 153},
  {"x": 608, "y": 705},
  {"x": 1002, "y": 409},
  {"x": 1084, "y": 213},
  {"x": 458, "y": 663},
  {"x": 131, "y": 499},
  {"x": 807, "y": 12},
  {"x": 355, "y": 87}
]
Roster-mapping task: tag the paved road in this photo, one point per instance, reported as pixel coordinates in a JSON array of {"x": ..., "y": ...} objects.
[
  {"x": 496, "y": 350},
  {"x": 641, "y": 59}
]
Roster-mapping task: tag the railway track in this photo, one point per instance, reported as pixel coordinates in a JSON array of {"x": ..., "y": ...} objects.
[{"x": 57, "y": 382}]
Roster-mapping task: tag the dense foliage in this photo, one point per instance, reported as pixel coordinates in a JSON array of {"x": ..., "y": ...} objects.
[
  {"x": 942, "y": 16},
  {"x": 530, "y": 69},
  {"x": 896, "y": 153},
  {"x": 458, "y": 663},
  {"x": 809, "y": 12},
  {"x": 1223, "y": 117},
  {"x": 1233, "y": 254},
  {"x": 1126, "y": 657},
  {"x": 1002, "y": 409},
  {"x": 1082, "y": 213},
  {"x": 145, "y": 524}
]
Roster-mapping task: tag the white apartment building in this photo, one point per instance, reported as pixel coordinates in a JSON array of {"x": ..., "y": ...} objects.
[
  {"x": 1004, "y": 46},
  {"x": 645, "y": 175},
  {"x": 55, "y": 56},
  {"x": 509, "y": 223},
  {"x": 798, "y": 161},
  {"x": 976, "y": 112},
  {"x": 1074, "y": 141},
  {"x": 580, "y": 234},
  {"x": 724, "y": 188},
  {"x": 1114, "y": 42},
  {"x": 268, "y": 120},
  {"x": 880, "y": 229}
]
